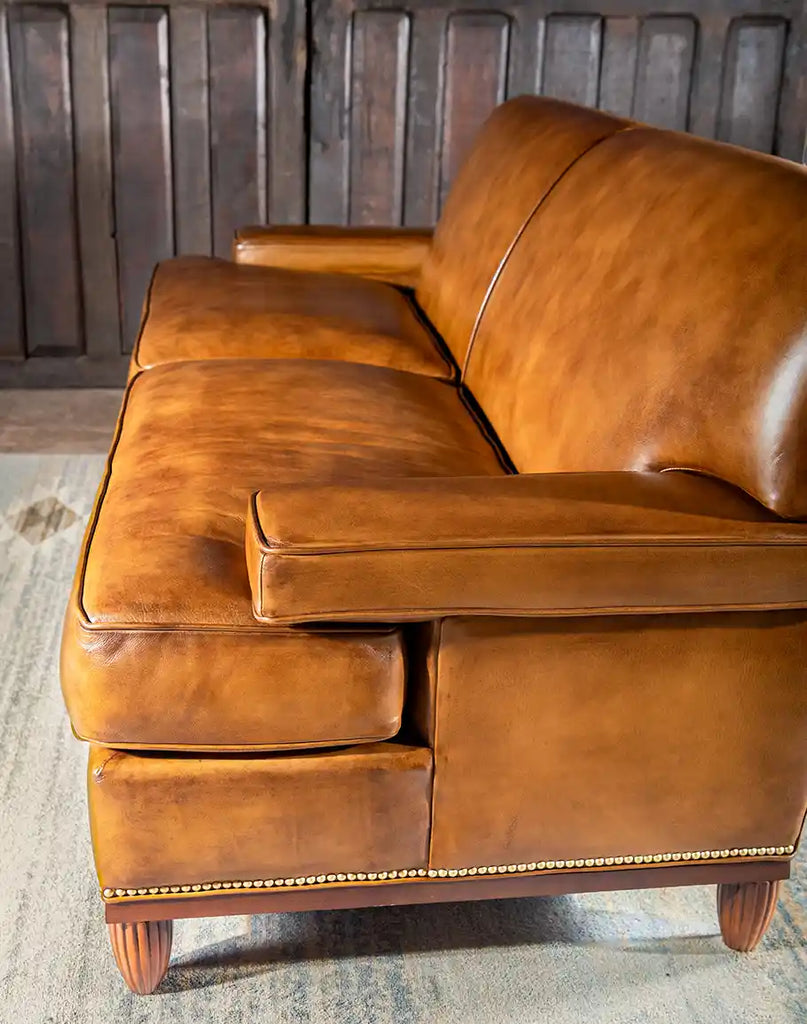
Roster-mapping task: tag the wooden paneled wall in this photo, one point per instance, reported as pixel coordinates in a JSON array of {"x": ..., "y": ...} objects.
[
  {"x": 130, "y": 132},
  {"x": 728, "y": 70}
]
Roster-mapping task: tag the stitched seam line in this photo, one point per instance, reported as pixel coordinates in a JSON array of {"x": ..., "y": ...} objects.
[
  {"x": 282, "y": 550},
  {"x": 508, "y": 253},
  {"x": 424, "y": 612},
  {"x": 145, "y": 318},
  {"x": 102, "y": 495},
  {"x": 434, "y": 738},
  {"x": 211, "y": 748}
]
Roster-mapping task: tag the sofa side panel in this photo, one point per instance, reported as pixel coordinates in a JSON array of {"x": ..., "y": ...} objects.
[{"x": 612, "y": 737}]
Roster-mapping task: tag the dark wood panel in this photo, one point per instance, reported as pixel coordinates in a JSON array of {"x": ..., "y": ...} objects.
[
  {"x": 191, "y": 129},
  {"x": 791, "y": 130},
  {"x": 380, "y": 53},
  {"x": 424, "y": 114},
  {"x": 327, "y": 147},
  {"x": 141, "y": 153},
  {"x": 12, "y": 339},
  {"x": 664, "y": 74},
  {"x": 47, "y": 200},
  {"x": 756, "y": 52},
  {"x": 620, "y": 46},
  {"x": 707, "y": 81},
  {"x": 238, "y": 90},
  {"x": 476, "y": 79},
  {"x": 63, "y": 372},
  {"x": 96, "y": 218},
  {"x": 288, "y": 83},
  {"x": 572, "y": 58}
]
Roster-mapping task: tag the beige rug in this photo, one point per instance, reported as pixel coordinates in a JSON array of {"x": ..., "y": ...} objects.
[{"x": 640, "y": 957}]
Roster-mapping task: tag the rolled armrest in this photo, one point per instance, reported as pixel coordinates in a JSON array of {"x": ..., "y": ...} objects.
[
  {"x": 553, "y": 544},
  {"x": 393, "y": 255}
]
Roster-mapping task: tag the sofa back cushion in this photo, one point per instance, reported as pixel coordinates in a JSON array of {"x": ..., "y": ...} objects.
[
  {"x": 521, "y": 151},
  {"x": 653, "y": 315}
]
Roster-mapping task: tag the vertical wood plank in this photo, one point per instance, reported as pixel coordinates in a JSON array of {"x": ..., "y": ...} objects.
[
  {"x": 328, "y": 149},
  {"x": 707, "y": 86},
  {"x": 756, "y": 51},
  {"x": 664, "y": 72},
  {"x": 12, "y": 338},
  {"x": 190, "y": 129},
  {"x": 572, "y": 58},
  {"x": 96, "y": 222},
  {"x": 620, "y": 47},
  {"x": 141, "y": 152},
  {"x": 476, "y": 77},
  {"x": 378, "y": 117},
  {"x": 526, "y": 27},
  {"x": 424, "y": 121},
  {"x": 791, "y": 129},
  {"x": 238, "y": 90},
  {"x": 540, "y": 55},
  {"x": 41, "y": 87},
  {"x": 288, "y": 70}
]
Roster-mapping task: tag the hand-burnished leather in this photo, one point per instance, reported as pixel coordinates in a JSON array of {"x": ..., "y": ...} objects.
[
  {"x": 654, "y": 314},
  {"x": 305, "y": 495},
  {"x": 394, "y": 255},
  {"x": 523, "y": 150},
  {"x": 617, "y": 737},
  {"x": 160, "y": 821},
  {"x": 547, "y": 544},
  {"x": 161, "y": 615},
  {"x": 202, "y": 308}
]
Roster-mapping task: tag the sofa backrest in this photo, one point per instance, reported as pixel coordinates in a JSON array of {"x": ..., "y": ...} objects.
[
  {"x": 653, "y": 315},
  {"x": 522, "y": 150}
]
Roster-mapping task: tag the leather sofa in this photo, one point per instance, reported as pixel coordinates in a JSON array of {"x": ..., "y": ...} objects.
[{"x": 465, "y": 564}]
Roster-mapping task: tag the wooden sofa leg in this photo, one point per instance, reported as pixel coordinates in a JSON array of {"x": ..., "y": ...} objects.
[
  {"x": 142, "y": 950},
  {"x": 745, "y": 911}
]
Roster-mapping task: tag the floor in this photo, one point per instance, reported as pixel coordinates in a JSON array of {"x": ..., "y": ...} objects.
[{"x": 78, "y": 421}]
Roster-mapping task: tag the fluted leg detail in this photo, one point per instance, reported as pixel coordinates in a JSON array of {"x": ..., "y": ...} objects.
[
  {"x": 745, "y": 911},
  {"x": 142, "y": 950}
]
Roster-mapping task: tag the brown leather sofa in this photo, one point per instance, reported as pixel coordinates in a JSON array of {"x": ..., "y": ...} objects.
[{"x": 465, "y": 565}]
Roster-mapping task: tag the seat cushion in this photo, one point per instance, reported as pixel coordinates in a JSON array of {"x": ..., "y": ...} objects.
[
  {"x": 365, "y": 810},
  {"x": 203, "y": 308},
  {"x": 161, "y": 649}
]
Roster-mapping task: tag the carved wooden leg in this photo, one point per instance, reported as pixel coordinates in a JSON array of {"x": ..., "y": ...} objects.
[
  {"x": 142, "y": 950},
  {"x": 745, "y": 911}
]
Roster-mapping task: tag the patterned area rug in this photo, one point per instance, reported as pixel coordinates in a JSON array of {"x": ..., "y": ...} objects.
[{"x": 638, "y": 957}]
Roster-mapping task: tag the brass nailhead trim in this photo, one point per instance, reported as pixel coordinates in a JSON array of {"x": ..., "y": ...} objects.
[{"x": 497, "y": 869}]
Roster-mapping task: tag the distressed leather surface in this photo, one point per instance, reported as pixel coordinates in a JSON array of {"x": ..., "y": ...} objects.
[
  {"x": 202, "y": 308},
  {"x": 161, "y": 821},
  {"x": 546, "y": 544},
  {"x": 160, "y": 647},
  {"x": 394, "y": 255},
  {"x": 521, "y": 152},
  {"x": 654, "y": 315},
  {"x": 613, "y": 737}
]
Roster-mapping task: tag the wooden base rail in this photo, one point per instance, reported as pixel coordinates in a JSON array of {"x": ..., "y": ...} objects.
[
  {"x": 443, "y": 890},
  {"x": 141, "y": 930}
]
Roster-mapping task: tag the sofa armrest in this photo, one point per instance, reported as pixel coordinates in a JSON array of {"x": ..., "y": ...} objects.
[
  {"x": 553, "y": 544},
  {"x": 393, "y": 255}
]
